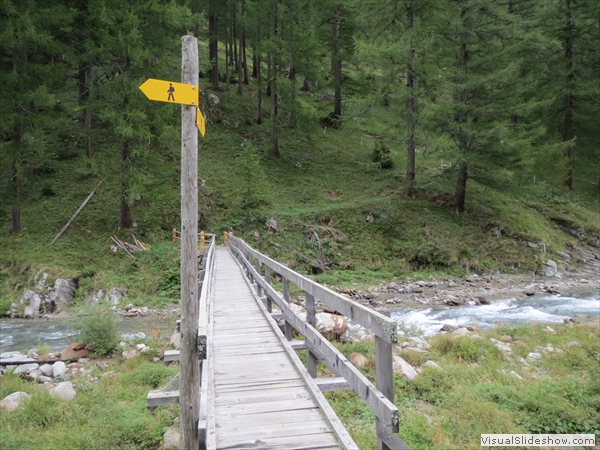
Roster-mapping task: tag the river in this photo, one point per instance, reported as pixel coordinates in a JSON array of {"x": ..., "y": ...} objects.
[
  {"x": 582, "y": 306},
  {"x": 21, "y": 334},
  {"x": 24, "y": 334}
]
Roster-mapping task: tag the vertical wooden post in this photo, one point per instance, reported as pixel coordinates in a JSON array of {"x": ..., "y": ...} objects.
[
  {"x": 174, "y": 238},
  {"x": 257, "y": 267},
  {"x": 384, "y": 379},
  {"x": 268, "y": 280},
  {"x": 286, "y": 297},
  {"x": 311, "y": 319},
  {"x": 202, "y": 240},
  {"x": 189, "y": 403}
]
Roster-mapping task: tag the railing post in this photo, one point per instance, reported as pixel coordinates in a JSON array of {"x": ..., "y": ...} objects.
[
  {"x": 174, "y": 238},
  {"x": 286, "y": 297},
  {"x": 257, "y": 267},
  {"x": 268, "y": 281},
  {"x": 202, "y": 240},
  {"x": 311, "y": 319},
  {"x": 384, "y": 379}
]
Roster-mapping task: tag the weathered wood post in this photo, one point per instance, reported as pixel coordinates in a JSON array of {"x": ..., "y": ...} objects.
[
  {"x": 311, "y": 319},
  {"x": 268, "y": 280},
  {"x": 190, "y": 367},
  {"x": 286, "y": 297},
  {"x": 384, "y": 380}
]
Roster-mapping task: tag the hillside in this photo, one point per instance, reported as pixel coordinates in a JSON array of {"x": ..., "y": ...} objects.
[{"x": 332, "y": 205}]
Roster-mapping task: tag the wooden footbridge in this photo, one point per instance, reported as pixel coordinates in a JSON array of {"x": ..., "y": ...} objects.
[{"x": 255, "y": 392}]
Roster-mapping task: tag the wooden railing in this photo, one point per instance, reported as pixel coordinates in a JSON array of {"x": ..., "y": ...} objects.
[
  {"x": 176, "y": 236},
  {"x": 259, "y": 268},
  {"x": 205, "y": 276}
]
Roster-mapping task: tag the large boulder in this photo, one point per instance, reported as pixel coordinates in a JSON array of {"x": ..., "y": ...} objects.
[
  {"x": 405, "y": 369},
  {"x": 171, "y": 438},
  {"x": 25, "y": 369},
  {"x": 63, "y": 292},
  {"x": 331, "y": 323},
  {"x": 31, "y": 302},
  {"x": 550, "y": 269},
  {"x": 58, "y": 369},
  {"x": 64, "y": 391},
  {"x": 357, "y": 359},
  {"x": 12, "y": 401},
  {"x": 74, "y": 351},
  {"x": 116, "y": 295}
]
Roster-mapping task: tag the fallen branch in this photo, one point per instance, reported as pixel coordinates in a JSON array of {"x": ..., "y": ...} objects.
[
  {"x": 120, "y": 244},
  {"x": 75, "y": 215}
]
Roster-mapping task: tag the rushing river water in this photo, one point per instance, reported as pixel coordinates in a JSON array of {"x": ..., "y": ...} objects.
[
  {"x": 23, "y": 334},
  {"x": 549, "y": 309}
]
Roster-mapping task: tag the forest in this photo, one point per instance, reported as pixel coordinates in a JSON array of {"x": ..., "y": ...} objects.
[{"x": 310, "y": 105}]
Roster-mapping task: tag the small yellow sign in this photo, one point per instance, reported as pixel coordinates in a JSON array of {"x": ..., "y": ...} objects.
[
  {"x": 170, "y": 92},
  {"x": 200, "y": 123}
]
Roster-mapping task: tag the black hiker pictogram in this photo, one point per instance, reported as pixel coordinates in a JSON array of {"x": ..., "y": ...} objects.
[{"x": 170, "y": 91}]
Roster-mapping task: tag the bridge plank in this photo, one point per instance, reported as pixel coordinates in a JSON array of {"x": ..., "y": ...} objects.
[{"x": 256, "y": 394}]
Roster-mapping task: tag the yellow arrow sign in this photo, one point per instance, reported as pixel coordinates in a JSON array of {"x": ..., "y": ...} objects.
[
  {"x": 200, "y": 123},
  {"x": 170, "y": 92}
]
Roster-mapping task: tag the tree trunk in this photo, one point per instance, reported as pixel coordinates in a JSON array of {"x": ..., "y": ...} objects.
[
  {"x": 461, "y": 186},
  {"x": 243, "y": 44},
  {"x": 305, "y": 85},
  {"x": 254, "y": 63},
  {"x": 125, "y": 219},
  {"x": 16, "y": 226},
  {"x": 568, "y": 127},
  {"x": 411, "y": 105},
  {"x": 336, "y": 65},
  {"x": 293, "y": 119},
  {"x": 274, "y": 153},
  {"x": 213, "y": 47},
  {"x": 240, "y": 75},
  {"x": 84, "y": 75},
  {"x": 269, "y": 72},
  {"x": 258, "y": 119}
]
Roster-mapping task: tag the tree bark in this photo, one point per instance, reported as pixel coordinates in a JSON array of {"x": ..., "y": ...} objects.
[
  {"x": 213, "y": 46},
  {"x": 411, "y": 104},
  {"x": 16, "y": 225},
  {"x": 568, "y": 133},
  {"x": 292, "y": 77},
  {"x": 274, "y": 153},
  {"x": 243, "y": 44},
  {"x": 461, "y": 186},
  {"x": 258, "y": 119},
  {"x": 336, "y": 64}
]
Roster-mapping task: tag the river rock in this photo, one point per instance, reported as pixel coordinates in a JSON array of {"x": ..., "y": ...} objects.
[
  {"x": 74, "y": 351},
  {"x": 529, "y": 290},
  {"x": 172, "y": 438},
  {"x": 501, "y": 345},
  {"x": 550, "y": 269},
  {"x": 419, "y": 343},
  {"x": 46, "y": 369},
  {"x": 64, "y": 391},
  {"x": 12, "y": 401},
  {"x": 461, "y": 332},
  {"x": 40, "y": 280},
  {"x": 31, "y": 302},
  {"x": 357, "y": 333},
  {"x": 430, "y": 363},
  {"x": 116, "y": 295},
  {"x": 515, "y": 374},
  {"x": 24, "y": 369},
  {"x": 175, "y": 340},
  {"x": 130, "y": 354},
  {"x": 405, "y": 369},
  {"x": 534, "y": 356},
  {"x": 58, "y": 369},
  {"x": 331, "y": 323},
  {"x": 357, "y": 359},
  {"x": 61, "y": 295},
  {"x": 93, "y": 295}
]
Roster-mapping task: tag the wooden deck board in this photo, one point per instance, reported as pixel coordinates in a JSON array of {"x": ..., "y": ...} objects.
[{"x": 260, "y": 400}]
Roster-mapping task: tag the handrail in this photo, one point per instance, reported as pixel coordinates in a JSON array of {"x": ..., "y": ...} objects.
[
  {"x": 375, "y": 322},
  {"x": 379, "y": 399},
  {"x": 206, "y": 275}
]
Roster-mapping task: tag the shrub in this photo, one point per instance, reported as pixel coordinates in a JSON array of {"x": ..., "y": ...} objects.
[
  {"x": 98, "y": 329},
  {"x": 382, "y": 156}
]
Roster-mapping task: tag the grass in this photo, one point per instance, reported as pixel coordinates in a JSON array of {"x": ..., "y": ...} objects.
[
  {"x": 475, "y": 394},
  {"x": 108, "y": 412}
]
